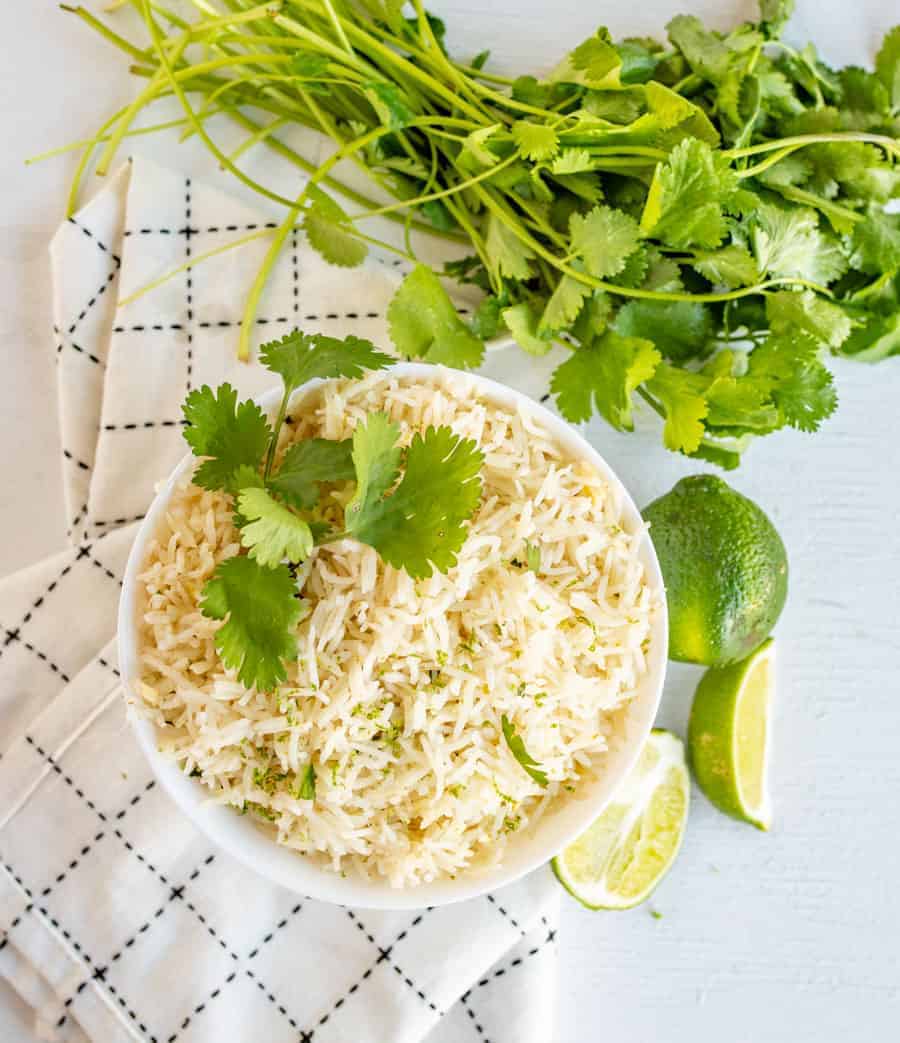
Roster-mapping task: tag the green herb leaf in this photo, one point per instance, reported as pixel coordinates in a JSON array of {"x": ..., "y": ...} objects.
[
  {"x": 802, "y": 387},
  {"x": 424, "y": 323},
  {"x": 688, "y": 197},
  {"x": 789, "y": 311},
  {"x": 262, "y": 611},
  {"x": 680, "y": 330},
  {"x": 391, "y": 106},
  {"x": 565, "y": 303},
  {"x": 273, "y": 533},
  {"x": 301, "y": 357},
  {"x": 306, "y": 784},
  {"x": 682, "y": 395},
  {"x": 876, "y": 243},
  {"x": 420, "y": 526},
  {"x": 789, "y": 242},
  {"x": 604, "y": 238},
  {"x": 517, "y": 749},
  {"x": 476, "y": 154},
  {"x": 604, "y": 375},
  {"x": 523, "y": 325},
  {"x": 535, "y": 141},
  {"x": 309, "y": 463},
  {"x": 328, "y": 230},
  {"x": 732, "y": 266},
  {"x": 507, "y": 255},
  {"x": 533, "y": 557},
  {"x": 231, "y": 435},
  {"x": 887, "y": 65}
]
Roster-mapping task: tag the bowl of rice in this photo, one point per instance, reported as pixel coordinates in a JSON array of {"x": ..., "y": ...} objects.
[{"x": 553, "y": 618}]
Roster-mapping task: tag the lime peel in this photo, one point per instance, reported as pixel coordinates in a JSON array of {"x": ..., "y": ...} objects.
[
  {"x": 728, "y": 736},
  {"x": 620, "y": 859}
]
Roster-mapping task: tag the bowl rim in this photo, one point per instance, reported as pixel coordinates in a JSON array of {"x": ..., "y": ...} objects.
[{"x": 252, "y": 843}]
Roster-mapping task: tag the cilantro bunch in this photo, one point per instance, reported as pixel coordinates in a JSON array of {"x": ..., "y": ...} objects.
[
  {"x": 699, "y": 222},
  {"x": 410, "y": 504}
]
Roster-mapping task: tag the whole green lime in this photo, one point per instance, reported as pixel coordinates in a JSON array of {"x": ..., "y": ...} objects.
[{"x": 725, "y": 570}]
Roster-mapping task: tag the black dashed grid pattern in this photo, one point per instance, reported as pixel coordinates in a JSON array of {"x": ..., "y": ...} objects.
[{"x": 112, "y": 830}]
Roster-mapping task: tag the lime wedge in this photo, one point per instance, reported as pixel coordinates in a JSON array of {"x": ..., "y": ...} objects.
[
  {"x": 728, "y": 736},
  {"x": 629, "y": 849}
]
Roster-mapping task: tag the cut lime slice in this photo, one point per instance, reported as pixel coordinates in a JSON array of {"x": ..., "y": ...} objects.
[
  {"x": 728, "y": 736},
  {"x": 629, "y": 849}
]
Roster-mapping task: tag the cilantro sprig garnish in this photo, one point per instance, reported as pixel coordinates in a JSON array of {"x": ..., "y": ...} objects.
[
  {"x": 517, "y": 749},
  {"x": 410, "y": 504},
  {"x": 660, "y": 210}
]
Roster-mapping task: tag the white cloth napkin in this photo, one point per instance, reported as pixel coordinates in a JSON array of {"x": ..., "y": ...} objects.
[{"x": 118, "y": 920}]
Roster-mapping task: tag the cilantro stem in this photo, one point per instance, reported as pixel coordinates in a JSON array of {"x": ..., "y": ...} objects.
[
  {"x": 801, "y": 140},
  {"x": 198, "y": 259},
  {"x": 460, "y": 186}
]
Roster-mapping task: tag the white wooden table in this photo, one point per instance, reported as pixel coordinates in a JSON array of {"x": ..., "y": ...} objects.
[{"x": 789, "y": 937}]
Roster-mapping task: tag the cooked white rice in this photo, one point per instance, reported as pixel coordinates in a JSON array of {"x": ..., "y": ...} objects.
[{"x": 399, "y": 687}]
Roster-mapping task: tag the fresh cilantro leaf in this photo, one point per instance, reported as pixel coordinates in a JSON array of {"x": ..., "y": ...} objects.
[
  {"x": 887, "y": 65},
  {"x": 533, "y": 557},
  {"x": 789, "y": 310},
  {"x": 390, "y": 104},
  {"x": 507, "y": 255},
  {"x": 639, "y": 61},
  {"x": 523, "y": 325},
  {"x": 376, "y": 464},
  {"x": 486, "y": 319},
  {"x": 420, "y": 526},
  {"x": 637, "y": 267},
  {"x": 688, "y": 197},
  {"x": 731, "y": 266},
  {"x": 789, "y": 242},
  {"x": 475, "y": 154},
  {"x": 876, "y": 243},
  {"x": 741, "y": 404},
  {"x": 774, "y": 15},
  {"x": 535, "y": 141},
  {"x": 668, "y": 110},
  {"x": 273, "y": 533},
  {"x": 594, "y": 63},
  {"x": 682, "y": 395},
  {"x": 231, "y": 435},
  {"x": 308, "y": 463},
  {"x": 564, "y": 305},
  {"x": 863, "y": 91},
  {"x": 581, "y": 186},
  {"x": 681, "y": 330},
  {"x": 329, "y": 233},
  {"x": 593, "y": 318},
  {"x": 306, "y": 784},
  {"x": 616, "y": 106},
  {"x": 604, "y": 375},
  {"x": 875, "y": 337},
  {"x": 424, "y": 323},
  {"x": 300, "y": 357},
  {"x": 262, "y": 611},
  {"x": 706, "y": 52},
  {"x": 517, "y": 749},
  {"x": 540, "y": 95},
  {"x": 604, "y": 238},
  {"x": 802, "y": 387},
  {"x": 573, "y": 161}
]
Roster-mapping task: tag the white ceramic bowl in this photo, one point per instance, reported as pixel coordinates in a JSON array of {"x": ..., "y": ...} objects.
[{"x": 253, "y": 844}]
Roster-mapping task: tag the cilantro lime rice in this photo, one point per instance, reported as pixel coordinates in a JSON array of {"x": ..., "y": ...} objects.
[{"x": 384, "y": 754}]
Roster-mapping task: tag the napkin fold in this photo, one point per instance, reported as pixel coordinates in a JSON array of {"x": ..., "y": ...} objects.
[{"x": 118, "y": 919}]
